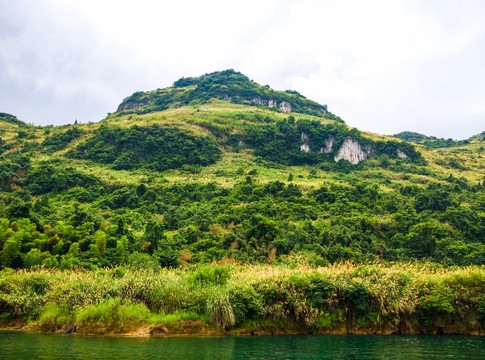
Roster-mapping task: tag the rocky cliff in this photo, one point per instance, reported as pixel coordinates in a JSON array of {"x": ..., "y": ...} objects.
[{"x": 352, "y": 152}]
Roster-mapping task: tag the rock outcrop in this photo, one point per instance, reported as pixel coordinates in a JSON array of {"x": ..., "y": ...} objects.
[
  {"x": 305, "y": 148},
  {"x": 285, "y": 106},
  {"x": 132, "y": 105},
  {"x": 401, "y": 155},
  {"x": 323, "y": 150},
  {"x": 352, "y": 152},
  {"x": 271, "y": 103},
  {"x": 328, "y": 146}
]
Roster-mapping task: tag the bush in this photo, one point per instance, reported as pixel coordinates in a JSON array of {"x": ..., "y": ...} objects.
[
  {"x": 246, "y": 303},
  {"x": 318, "y": 292},
  {"x": 215, "y": 275},
  {"x": 220, "y": 310},
  {"x": 112, "y": 315},
  {"x": 54, "y": 316},
  {"x": 60, "y": 141},
  {"x": 439, "y": 301},
  {"x": 143, "y": 261},
  {"x": 358, "y": 297}
]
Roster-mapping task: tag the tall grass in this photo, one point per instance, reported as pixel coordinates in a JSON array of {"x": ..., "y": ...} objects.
[
  {"x": 403, "y": 297},
  {"x": 111, "y": 315}
]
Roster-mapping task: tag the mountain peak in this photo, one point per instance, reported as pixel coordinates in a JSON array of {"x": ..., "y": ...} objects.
[{"x": 228, "y": 85}]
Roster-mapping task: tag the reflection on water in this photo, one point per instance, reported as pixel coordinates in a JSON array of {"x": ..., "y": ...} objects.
[{"x": 21, "y": 345}]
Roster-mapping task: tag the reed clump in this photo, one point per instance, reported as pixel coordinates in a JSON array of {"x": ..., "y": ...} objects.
[{"x": 344, "y": 297}]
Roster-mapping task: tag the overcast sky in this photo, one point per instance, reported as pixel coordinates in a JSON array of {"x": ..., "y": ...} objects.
[{"x": 382, "y": 65}]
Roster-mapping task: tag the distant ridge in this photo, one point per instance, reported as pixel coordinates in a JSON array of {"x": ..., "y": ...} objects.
[{"x": 434, "y": 142}]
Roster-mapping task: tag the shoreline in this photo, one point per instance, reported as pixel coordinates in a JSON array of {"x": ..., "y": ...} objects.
[{"x": 201, "y": 329}]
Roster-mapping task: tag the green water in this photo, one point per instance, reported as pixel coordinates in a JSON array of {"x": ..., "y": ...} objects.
[{"x": 21, "y": 345}]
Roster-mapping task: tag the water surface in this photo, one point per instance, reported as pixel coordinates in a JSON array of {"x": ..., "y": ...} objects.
[{"x": 22, "y": 345}]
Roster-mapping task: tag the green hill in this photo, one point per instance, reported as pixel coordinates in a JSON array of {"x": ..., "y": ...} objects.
[
  {"x": 224, "y": 85},
  {"x": 219, "y": 168}
]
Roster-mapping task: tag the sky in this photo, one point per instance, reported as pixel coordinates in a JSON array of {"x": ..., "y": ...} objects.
[{"x": 383, "y": 66}]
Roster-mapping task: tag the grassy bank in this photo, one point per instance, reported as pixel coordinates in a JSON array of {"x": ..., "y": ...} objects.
[{"x": 343, "y": 298}]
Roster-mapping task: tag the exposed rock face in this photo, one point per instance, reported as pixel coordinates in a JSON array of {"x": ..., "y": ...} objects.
[
  {"x": 285, "y": 106},
  {"x": 323, "y": 150},
  {"x": 328, "y": 146},
  {"x": 305, "y": 147},
  {"x": 132, "y": 105},
  {"x": 258, "y": 101},
  {"x": 351, "y": 151},
  {"x": 401, "y": 154}
]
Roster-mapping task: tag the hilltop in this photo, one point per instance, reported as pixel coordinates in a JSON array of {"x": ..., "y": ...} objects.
[
  {"x": 220, "y": 168},
  {"x": 224, "y": 85}
]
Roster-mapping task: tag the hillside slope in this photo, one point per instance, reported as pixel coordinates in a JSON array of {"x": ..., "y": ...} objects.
[
  {"x": 219, "y": 168},
  {"x": 435, "y": 143}
]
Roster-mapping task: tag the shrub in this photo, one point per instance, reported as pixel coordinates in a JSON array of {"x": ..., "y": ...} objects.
[
  {"x": 143, "y": 261},
  {"x": 54, "y": 316},
  {"x": 215, "y": 275},
  {"x": 60, "y": 141},
  {"x": 112, "y": 315},
  {"x": 220, "y": 310},
  {"x": 246, "y": 303},
  {"x": 318, "y": 291},
  {"x": 440, "y": 301}
]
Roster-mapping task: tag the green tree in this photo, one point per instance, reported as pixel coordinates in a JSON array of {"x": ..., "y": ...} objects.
[
  {"x": 10, "y": 254},
  {"x": 100, "y": 237},
  {"x": 121, "y": 249},
  {"x": 71, "y": 259},
  {"x": 33, "y": 257},
  {"x": 153, "y": 234}
]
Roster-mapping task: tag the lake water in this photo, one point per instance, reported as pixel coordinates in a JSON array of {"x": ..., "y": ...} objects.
[{"x": 22, "y": 345}]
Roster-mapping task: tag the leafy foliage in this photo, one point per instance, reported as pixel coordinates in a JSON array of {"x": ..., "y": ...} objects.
[
  {"x": 61, "y": 141},
  {"x": 154, "y": 147}
]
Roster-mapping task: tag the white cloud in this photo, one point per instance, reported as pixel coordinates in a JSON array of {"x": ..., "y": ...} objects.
[{"x": 382, "y": 65}]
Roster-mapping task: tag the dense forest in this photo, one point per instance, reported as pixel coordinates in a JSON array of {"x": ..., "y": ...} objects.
[{"x": 210, "y": 171}]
